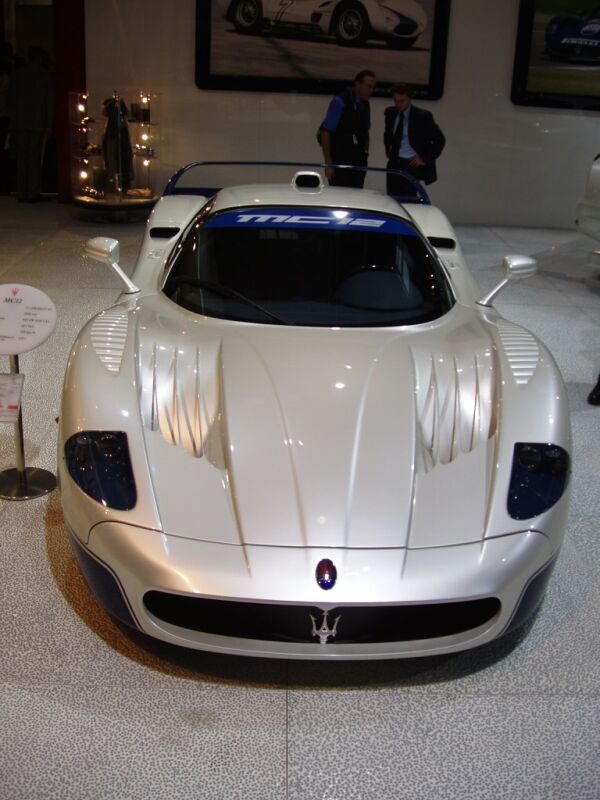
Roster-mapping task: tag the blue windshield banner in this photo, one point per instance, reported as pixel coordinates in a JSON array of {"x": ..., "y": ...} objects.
[{"x": 309, "y": 219}]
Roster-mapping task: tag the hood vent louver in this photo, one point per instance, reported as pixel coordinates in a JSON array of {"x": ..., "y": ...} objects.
[
  {"x": 521, "y": 350},
  {"x": 456, "y": 406},
  {"x": 307, "y": 181},
  {"x": 108, "y": 335},
  {"x": 176, "y": 402},
  {"x": 163, "y": 233},
  {"x": 442, "y": 242}
]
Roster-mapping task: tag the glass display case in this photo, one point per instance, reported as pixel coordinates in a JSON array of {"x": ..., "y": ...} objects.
[{"x": 115, "y": 151}]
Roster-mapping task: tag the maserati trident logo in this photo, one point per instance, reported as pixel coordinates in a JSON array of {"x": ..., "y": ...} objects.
[
  {"x": 324, "y": 632},
  {"x": 15, "y": 298}
]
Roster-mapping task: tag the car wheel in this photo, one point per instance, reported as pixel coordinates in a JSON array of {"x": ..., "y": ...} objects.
[
  {"x": 351, "y": 25},
  {"x": 246, "y": 16},
  {"x": 402, "y": 44}
]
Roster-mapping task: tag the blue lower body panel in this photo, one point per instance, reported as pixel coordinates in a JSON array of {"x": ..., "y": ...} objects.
[{"x": 104, "y": 585}]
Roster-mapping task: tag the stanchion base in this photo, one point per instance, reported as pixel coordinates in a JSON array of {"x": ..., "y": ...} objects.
[{"x": 34, "y": 482}]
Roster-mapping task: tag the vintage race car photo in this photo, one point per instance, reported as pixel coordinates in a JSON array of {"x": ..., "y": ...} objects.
[
  {"x": 303, "y": 432},
  {"x": 351, "y": 22},
  {"x": 570, "y": 38}
]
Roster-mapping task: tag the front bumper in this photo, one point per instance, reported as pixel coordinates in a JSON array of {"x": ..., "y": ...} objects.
[
  {"x": 575, "y": 50},
  {"x": 140, "y": 561}
]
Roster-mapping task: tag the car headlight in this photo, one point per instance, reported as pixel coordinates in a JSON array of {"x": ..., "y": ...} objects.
[
  {"x": 99, "y": 463},
  {"x": 539, "y": 476}
]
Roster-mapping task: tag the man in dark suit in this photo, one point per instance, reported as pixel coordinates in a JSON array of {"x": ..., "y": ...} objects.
[{"x": 412, "y": 142}]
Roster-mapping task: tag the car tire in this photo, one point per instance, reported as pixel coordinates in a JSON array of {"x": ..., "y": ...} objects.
[
  {"x": 351, "y": 25},
  {"x": 246, "y": 16}
]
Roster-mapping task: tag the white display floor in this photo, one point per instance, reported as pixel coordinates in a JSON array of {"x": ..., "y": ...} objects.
[{"x": 89, "y": 711}]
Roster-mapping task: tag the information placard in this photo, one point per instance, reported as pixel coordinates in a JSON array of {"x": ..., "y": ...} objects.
[
  {"x": 11, "y": 388},
  {"x": 27, "y": 318}
]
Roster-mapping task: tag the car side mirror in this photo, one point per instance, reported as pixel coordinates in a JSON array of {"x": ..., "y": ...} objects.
[
  {"x": 515, "y": 268},
  {"x": 106, "y": 251}
]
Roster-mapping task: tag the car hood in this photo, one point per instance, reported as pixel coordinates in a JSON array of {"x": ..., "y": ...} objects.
[{"x": 269, "y": 435}]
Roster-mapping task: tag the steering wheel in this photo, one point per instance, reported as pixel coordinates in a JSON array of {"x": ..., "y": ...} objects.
[
  {"x": 370, "y": 268},
  {"x": 386, "y": 291}
]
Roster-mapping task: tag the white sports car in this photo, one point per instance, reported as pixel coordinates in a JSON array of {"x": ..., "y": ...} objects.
[
  {"x": 301, "y": 432},
  {"x": 352, "y": 22}
]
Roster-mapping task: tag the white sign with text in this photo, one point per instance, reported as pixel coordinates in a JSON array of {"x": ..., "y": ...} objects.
[
  {"x": 27, "y": 318},
  {"x": 11, "y": 388}
]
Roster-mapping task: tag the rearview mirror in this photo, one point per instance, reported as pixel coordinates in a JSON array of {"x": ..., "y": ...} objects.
[
  {"x": 515, "y": 268},
  {"x": 106, "y": 251},
  {"x": 102, "y": 249}
]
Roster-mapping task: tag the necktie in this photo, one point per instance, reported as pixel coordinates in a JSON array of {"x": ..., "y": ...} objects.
[{"x": 397, "y": 138}]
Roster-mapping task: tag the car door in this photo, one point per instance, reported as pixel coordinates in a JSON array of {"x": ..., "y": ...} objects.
[{"x": 294, "y": 11}]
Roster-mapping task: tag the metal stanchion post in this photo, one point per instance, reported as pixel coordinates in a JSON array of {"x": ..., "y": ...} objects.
[{"x": 23, "y": 483}]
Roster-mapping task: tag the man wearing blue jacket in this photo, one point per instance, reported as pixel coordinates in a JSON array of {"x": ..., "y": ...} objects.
[{"x": 344, "y": 134}]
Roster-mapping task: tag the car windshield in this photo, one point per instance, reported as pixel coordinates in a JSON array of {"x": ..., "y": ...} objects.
[{"x": 315, "y": 267}]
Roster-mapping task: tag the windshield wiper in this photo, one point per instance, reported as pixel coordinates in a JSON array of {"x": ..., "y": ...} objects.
[{"x": 226, "y": 291}]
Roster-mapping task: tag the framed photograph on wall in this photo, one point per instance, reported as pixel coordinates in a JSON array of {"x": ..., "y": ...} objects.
[
  {"x": 316, "y": 46},
  {"x": 557, "y": 57}
]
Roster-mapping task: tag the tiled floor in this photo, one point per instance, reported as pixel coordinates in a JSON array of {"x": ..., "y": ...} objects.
[{"x": 90, "y": 711}]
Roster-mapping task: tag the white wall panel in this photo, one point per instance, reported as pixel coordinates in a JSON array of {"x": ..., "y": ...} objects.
[{"x": 503, "y": 164}]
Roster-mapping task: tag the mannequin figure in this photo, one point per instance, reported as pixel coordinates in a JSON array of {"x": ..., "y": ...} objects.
[{"x": 116, "y": 146}]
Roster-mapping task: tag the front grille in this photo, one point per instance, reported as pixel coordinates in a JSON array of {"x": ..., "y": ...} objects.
[{"x": 291, "y": 623}]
